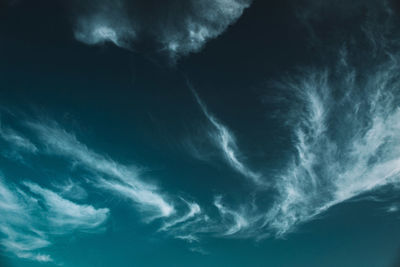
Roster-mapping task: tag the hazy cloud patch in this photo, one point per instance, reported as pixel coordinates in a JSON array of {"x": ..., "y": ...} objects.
[{"x": 179, "y": 27}]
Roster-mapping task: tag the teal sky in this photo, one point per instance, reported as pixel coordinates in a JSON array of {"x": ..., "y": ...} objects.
[{"x": 188, "y": 133}]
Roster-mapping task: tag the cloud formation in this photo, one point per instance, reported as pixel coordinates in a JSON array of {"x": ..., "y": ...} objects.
[
  {"x": 193, "y": 211},
  {"x": 71, "y": 190},
  {"x": 347, "y": 139},
  {"x": 180, "y": 27},
  {"x": 27, "y": 226},
  {"x": 107, "y": 21},
  {"x": 67, "y": 216},
  {"x": 122, "y": 180},
  {"x": 18, "y": 142},
  {"x": 226, "y": 142},
  {"x": 20, "y": 238},
  {"x": 238, "y": 220}
]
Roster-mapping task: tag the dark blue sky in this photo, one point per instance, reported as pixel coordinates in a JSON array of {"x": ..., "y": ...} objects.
[{"x": 199, "y": 133}]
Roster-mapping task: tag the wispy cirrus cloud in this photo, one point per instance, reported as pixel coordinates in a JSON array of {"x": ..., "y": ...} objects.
[
  {"x": 345, "y": 122},
  {"x": 67, "y": 216},
  {"x": 345, "y": 143},
  {"x": 193, "y": 211},
  {"x": 122, "y": 180},
  {"x": 71, "y": 190},
  {"x": 221, "y": 220},
  {"x": 20, "y": 238},
  {"x": 238, "y": 220},
  {"x": 346, "y": 139},
  {"x": 59, "y": 215},
  {"x": 18, "y": 141},
  {"x": 226, "y": 142},
  {"x": 27, "y": 227},
  {"x": 181, "y": 218}
]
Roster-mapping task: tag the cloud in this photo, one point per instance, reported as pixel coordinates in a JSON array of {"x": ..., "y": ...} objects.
[
  {"x": 193, "y": 210},
  {"x": 28, "y": 223},
  {"x": 149, "y": 201},
  {"x": 192, "y": 228},
  {"x": 17, "y": 140},
  {"x": 122, "y": 180},
  {"x": 71, "y": 190},
  {"x": 346, "y": 136},
  {"x": 67, "y": 216},
  {"x": 238, "y": 220},
  {"x": 229, "y": 221},
  {"x": 181, "y": 218},
  {"x": 205, "y": 20},
  {"x": 18, "y": 236},
  {"x": 179, "y": 27},
  {"x": 199, "y": 250},
  {"x": 188, "y": 238},
  {"x": 24, "y": 244},
  {"x": 226, "y": 142},
  {"x": 392, "y": 208},
  {"x": 106, "y": 22}
]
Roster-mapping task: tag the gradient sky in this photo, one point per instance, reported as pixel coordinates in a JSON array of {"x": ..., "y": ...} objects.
[{"x": 200, "y": 133}]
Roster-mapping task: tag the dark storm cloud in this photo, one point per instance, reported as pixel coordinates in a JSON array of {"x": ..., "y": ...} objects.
[{"x": 178, "y": 27}]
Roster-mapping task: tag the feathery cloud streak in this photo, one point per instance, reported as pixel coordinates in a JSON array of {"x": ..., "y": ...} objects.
[
  {"x": 67, "y": 215},
  {"x": 27, "y": 227},
  {"x": 18, "y": 141},
  {"x": 347, "y": 140},
  {"x": 126, "y": 181},
  {"x": 226, "y": 141}
]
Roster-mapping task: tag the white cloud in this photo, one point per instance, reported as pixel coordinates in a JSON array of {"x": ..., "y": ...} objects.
[
  {"x": 244, "y": 221},
  {"x": 107, "y": 23},
  {"x": 19, "y": 241},
  {"x": 66, "y": 216},
  {"x": 194, "y": 210},
  {"x": 347, "y": 140},
  {"x": 226, "y": 142},
  {"x": 237, "y": 220},
  {"x": 149, "y": 201},
  {"x": 122, "y": 179},
  {"x": 27, "y": 227},
  {"x": 208, "y": 20},
  {"x": 20, "y": 235},
  {"x": 192, "y": 25},
  {"x": 17, "y": 140},
  {"x": 71, "y": 190}
]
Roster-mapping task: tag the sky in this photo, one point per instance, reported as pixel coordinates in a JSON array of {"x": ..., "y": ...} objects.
[{"x": 200, "y": 133}]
